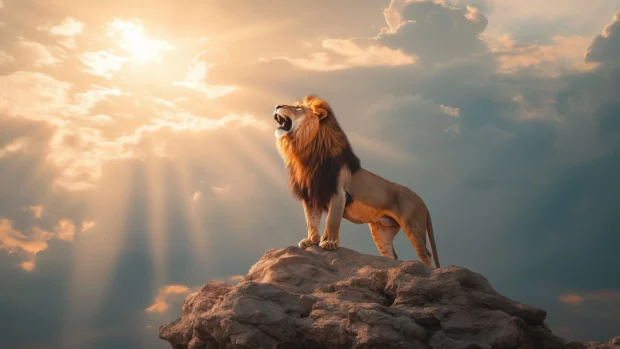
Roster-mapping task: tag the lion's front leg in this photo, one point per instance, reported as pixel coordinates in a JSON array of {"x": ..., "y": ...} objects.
[
  {"x": 331, "y": 237},
  {"x": 313, "y": 221}
]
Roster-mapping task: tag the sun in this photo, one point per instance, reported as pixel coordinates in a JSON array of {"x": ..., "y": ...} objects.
[{"x": 130, "y": 36}]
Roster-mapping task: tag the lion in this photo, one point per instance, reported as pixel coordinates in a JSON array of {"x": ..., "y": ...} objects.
[{"x": 327, "y": 176}]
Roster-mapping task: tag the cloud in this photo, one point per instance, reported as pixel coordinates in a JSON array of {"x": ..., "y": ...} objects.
[
  {"x": 79, "y": 150},
  {"x": 37, "y": 210},
  {"x": 50, "y": 98},
  {"x": 14, "y": 146},
  {"x": 20, "y": 88},
  {"x": 35, "y": 240},
  {"x": 434, "y": 32},
  {"x": 39, "y": 54},
  {"x": 450, "y": 111},
  {"x": 195, "y": 79},
  {"x": 570, "y": 298},
  {"x": 349, "y": 55},
  {"x": 165, "y": 295},
  {"x": 65, "y": 230},
  {"x": 27, "y": 245},
  {"x": 606, "y": 46},
  {"x": 102, "y": 63},
  {"x": 610, "y": 297},
  {"x": 88, "y": 225},
  {"x": 392, "y": 15},
  {"x": 565, "y": 53},
  {"x": 69, "y": 27}
]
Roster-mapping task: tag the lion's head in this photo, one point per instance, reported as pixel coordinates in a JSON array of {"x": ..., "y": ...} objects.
[
  {"x": 309, "y": 125},
  {"x": 301, "y": 117}
]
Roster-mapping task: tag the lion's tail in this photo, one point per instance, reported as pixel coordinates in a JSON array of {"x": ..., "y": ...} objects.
[{"x": 431, "y": 238}]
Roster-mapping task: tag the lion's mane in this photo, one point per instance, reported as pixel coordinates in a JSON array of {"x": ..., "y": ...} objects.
[{"x": 315, "y": 155}]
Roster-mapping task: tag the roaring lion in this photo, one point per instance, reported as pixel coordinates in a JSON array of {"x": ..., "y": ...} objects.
[{"x": 326, "y": 175}]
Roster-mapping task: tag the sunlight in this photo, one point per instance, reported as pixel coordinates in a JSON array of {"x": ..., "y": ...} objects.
[
  {"x": 130, "y": 37},
  {"x": 96, "y": 256},
  {"x": 198, "y": 234},
  {"x": 157, "y": 218}
]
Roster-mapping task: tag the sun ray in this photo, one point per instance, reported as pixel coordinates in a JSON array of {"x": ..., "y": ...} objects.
[
  {"x": 157, "y": 217},
  {"x": 250, "y": 147},
  {"x": 96, "y": 255},
  {"x": 198, "y": 233}
]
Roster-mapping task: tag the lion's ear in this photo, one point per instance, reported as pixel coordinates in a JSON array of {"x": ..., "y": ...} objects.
[{"x": 320, "y": 113}]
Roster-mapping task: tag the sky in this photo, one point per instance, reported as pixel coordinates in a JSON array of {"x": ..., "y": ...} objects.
[{"x": 138, "y": 157}]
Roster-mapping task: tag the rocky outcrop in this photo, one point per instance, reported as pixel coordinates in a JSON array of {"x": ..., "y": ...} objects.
[{"x": 295, "y": 299}]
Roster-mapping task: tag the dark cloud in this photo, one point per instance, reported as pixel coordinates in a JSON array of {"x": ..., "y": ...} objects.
[
  {"x": 606, "y": 46},
  {"x": 436, "y": 33}
]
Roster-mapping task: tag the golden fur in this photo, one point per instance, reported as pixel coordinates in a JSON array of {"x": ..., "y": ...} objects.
[{"x": 326, "y": 175}]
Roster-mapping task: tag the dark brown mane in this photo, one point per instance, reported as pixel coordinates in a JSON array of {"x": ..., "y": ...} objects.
[{"x": 315, "y": 159}]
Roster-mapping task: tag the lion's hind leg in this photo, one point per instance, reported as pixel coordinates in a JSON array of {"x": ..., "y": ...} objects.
[
  {"x": 383, "y": 236},
  {"x": 417, "y": 237}
]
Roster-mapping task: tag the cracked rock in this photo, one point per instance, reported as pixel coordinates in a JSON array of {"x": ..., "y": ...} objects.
[{"x": 316, "y": 299}]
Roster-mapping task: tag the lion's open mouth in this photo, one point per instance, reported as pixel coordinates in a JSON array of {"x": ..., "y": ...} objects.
[{"x": 285, "y": 122}]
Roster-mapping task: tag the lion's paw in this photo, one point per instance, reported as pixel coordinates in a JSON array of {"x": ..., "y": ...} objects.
[
  {"x": 307, "y": 242},
  {"x": 329, "y": 245}
]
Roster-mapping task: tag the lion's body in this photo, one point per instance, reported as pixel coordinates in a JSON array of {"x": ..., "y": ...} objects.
[{"x": 326, "y": 175}]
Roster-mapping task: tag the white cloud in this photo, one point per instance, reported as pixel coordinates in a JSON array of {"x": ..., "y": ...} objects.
[
  {"x": 40, "y": 54},
  {"x": 32, "y": 95},
  {"x": 195, "y": 79},
  {"x": 392, "y": 15},
  {"x": 69, "y": 27},
  {"x": 102, "y": 63},
  {"x": 349, "y": 54},
  {"x": 450, "y": 111},
  {"x": 372, "y": 55},
  {"x": 41, "y": 97}
]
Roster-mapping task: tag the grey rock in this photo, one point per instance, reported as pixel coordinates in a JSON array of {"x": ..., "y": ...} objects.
[{"x": 297, "y": 299}]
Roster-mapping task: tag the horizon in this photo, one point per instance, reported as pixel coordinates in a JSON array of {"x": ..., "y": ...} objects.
[{"x": 138, "y": 157}]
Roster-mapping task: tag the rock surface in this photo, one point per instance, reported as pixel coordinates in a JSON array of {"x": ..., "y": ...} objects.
[{"x": 315, "y": 299}]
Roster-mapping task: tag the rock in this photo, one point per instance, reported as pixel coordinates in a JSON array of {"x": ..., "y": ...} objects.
[{"x": 296, "y": 299}]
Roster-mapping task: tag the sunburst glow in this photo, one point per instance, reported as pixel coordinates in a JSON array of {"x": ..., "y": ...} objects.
[{"x": 130, "y": 36}]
